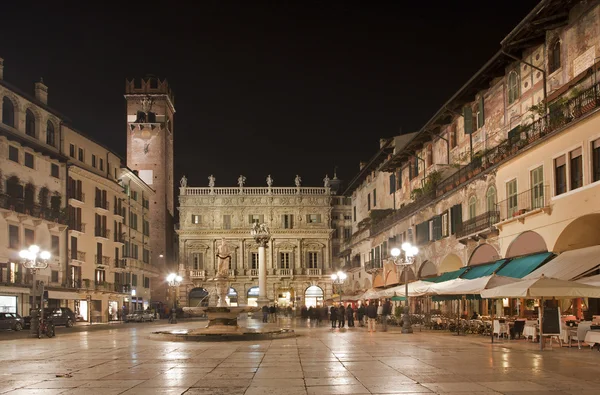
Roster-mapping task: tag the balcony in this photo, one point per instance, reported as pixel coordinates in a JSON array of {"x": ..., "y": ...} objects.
[
  {"x": 284, "y": 272},
  {"x": 21, "y": 206},
  {"x": 104, "y": 286},
  {"x": 198, "y": 274},
  {"x": 73, "y": 283},
  {"x": 15, "y": 278},
  {"x": 119, "y": 263},
  {"x": 372, "y": 266},
  {"x": 352, "y": 266},
  {"x": 101, "y": 204},
  {"x": 119, "y": 237},
  {"x": 253, "y": 272},
  {"x": 102, "y": 260},
  {"x": 78, "y": 256},
  {"x": 401, "y": 213},
  {"x": 77, "y": 198},
  {"x": 479, "y": 226},
  {"x": 522, "y": 205},
  {"x": 101, "y": 232},
  {"x": 77, "y": 227},
  {"x": 313, "y": 272}
]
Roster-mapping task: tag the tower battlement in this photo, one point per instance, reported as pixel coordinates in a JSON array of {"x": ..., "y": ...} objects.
[{"x": 149, "y": 86}]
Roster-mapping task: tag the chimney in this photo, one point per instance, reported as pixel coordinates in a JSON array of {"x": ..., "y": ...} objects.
[
  {"x": 362, "y": 164},
  {"x": 41, "y": 91},
  {"x": 1, "y": 69}
]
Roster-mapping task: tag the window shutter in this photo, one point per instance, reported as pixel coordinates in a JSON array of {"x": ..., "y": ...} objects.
[
  {"x": 468, "y": 119},
  {"x": 392, "y": 183},
  {"x": 481, "y": 116},
  {"x": 399, "y": 180},
  {"x": 437, "y": 227},
  {"x": 456, "y": 218}
]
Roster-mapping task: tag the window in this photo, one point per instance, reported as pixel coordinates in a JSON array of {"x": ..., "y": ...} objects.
[
  {"x": 313, "y": 218},
  {"x": 480, "y": 113},
  {"x": 468, "y": 119},
  {"x": 452, "y": 136},
  {"x": 73, "y": 247},
  {"x": 576, "y": 169},
  {"x": 254, "y": 260},
  {"x": 227, "y": 221},
  {"x": 198, "y": 260},
  {"x": 256, "y": 218},
  {"x": 399, "y": 180},
  {"x": 54, "y": 276},
  {"x": 445, "y": 224},
  {"x": 513, "y": 87},
  {"x": 347, "y": 233},
  {"x": 596, "y": 160},
  {"x": 8, "y": 112},
  {"x": 93, "y": 160},
  {"x": 81, "y": 155},
  {"x": 134, "y": 195},
  {"x": 369, "y": 201},
  {"x": 13, "y": 237},
  {"x": 146, "y": 227},
  {"x": 560, "y": 175},
  {"x": 54, "y": 170},
  {"x": 55, "y": 245},
  {"x": 29, "y": 123},
  {"x": 50, "y": 137},
  {"x": 196, "y": 219},
  {"x": 347, "y": 217},
  {"x": 511, "y": 193},
  {"x": 100, "y": 277},
  {"x": 354, "y": 210},
  {"x": 537, "y": 188},
  {"x": 554, "y": 57},
  {"x": 29, "y": 160},
  {"x": 472, "y": 207},
  {"x": 392, "y": 183},
  {"x": 490, "y": 197},
  {"x": 102, "y": 165},
  {"x": 29, "y": 237},
  {"x": 284, "y": 260},
  {"x": 429, "y": 157},
  {"x": 133, "y": 220},
  {"x": 146, "y": 256},
  {"x": 374, "y": 197},
  {"x": 313, "y": 261},
  {"x": 71, "y": 150},
  {"x": 13, "y": 153},
  {"x": 146, "y": 282},
  {"x": 287, "y": 221}
]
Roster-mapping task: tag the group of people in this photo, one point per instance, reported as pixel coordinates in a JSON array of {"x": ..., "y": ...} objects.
[{"x": 340, "y": 315}]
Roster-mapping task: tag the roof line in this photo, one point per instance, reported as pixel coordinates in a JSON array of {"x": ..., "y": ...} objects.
[{"x": 525, "y": 20}]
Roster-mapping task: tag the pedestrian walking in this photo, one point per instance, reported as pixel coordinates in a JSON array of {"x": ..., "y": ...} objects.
[
  {"x": 265, "y": 313},
  {"x": 371, "y": 315},
  {"x": 272, "y": 313},
  {"x": 360, "y": 313},
  {"x": 333, "y": 316},
  {"x": 350, "y": 315},
  {"x": 341, "y": 316}
]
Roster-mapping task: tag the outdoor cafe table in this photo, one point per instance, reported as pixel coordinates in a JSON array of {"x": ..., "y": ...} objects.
[{"x": 592, "y": 338}]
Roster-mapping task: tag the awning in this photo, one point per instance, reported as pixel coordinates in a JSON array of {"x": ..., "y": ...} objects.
[
  {"x": 461, "y": 286},
  {"x": 520, "y": 267},
  {"x": 447, "y": 276},
  {"x": 542, "y": 287},
  {"x": 570, "y": 265},
  {"x": 398, "y": 298},
  {"x": 592, "y": 280},
  {"x": 444, "y": 298},
  {"x": 63, "y": 295},
  {"x": 482, "y": 270}
]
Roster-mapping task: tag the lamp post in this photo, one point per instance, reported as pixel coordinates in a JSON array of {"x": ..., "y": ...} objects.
[
  {"x": 338, "y": 279},
  {"x": 33, "y": 259},
  {"x": 405, "y": 261},
  {"x": 174, "y": 280}
]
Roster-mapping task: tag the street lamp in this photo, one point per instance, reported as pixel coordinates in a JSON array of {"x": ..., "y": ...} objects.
[
  {"x": 174, "y": 280},
  {"x": 338, "y": 279},
  {"x": 34, "y": 259},
  {"x": 405, "y": 261}
]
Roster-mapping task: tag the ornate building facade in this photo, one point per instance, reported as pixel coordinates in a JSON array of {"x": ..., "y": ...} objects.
[{"x": 298, "y": 255}]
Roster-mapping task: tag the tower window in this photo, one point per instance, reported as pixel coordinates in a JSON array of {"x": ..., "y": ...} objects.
[
  {"x": 554, "y": 57},
  {"x": 141, "y": 117},
  {"x": 8, "y": 112},
  {"x": 29, "y": 123}
]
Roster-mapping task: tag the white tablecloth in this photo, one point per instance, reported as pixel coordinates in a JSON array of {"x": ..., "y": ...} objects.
[
  {"x": 530, "y": 331},
  {"x": 592, "y": 338}
]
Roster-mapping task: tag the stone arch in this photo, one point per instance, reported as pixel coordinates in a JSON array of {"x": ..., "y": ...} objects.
[
  {"x": 528, "y": 242},
  {"x": 450, "y": 263},
  {"x": 366, "y": 284},
  {"x": 198, "y": 297},
  {"x": 411, "y": 275},
  {"x": 483, "y": 253},
  {"x": 580, "y": 233},
  {"x": 427, "y": 270},
  {"x": 378, "y": 280}
]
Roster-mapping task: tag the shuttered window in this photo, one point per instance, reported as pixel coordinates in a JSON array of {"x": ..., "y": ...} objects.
[
  {"x": 422, "y": 233},
  {"x": 576, "y": 166},
  {"x": 560, "y": 175},
  {"x": 392, "y": 183},
  {"x": 468, "y": 119},
  {"x": 455, "y": 218},
  {"x": 437, "y": 227}
]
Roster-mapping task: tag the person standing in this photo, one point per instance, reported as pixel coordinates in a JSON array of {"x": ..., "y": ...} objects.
[
  {"x": 333, "y": 316},
  {"x": 272, "y": 313},
  {"x": 385, "y": 312},
  {"x": 371, "y": 315},
  {"x": 265, "y": 313},
  {"x": 361, "y": 314},
  {"x": 341, "y": 316},
  {"x": 350, "y": 315}
]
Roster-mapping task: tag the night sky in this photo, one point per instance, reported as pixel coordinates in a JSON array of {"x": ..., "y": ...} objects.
[{"x": 273, "y": 87}]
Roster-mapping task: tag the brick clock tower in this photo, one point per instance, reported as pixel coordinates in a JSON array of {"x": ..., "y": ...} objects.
[{"x": 150, "y": 110}]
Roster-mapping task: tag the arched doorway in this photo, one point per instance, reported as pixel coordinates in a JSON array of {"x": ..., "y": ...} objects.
[
  {"x": 427, "y": 270},
  {"x": 285, "y": 296},
  {"x": 232, "y": 297},
  {"x": 253, "y": 296},
  {"x": 582, "y": 232},
  {"x": 198, "y": 297},
  {"x": 526, "y": 243},
  {"x": 450, "y": 263},
  {"x": 313, "y": 296},
  {"x": 483, "y": 253}
]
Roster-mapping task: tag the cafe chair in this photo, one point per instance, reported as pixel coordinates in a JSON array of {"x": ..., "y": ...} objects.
[{"x": 579, "y": 335}]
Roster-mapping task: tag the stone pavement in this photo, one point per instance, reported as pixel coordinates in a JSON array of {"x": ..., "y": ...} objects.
[{"x": 318, "y": 361}]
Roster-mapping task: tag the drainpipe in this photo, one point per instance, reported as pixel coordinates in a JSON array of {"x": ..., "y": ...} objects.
[{"x": 534, "y": 67}]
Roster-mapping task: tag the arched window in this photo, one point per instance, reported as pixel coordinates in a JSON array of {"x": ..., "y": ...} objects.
[
  {"x": 490, "y": 197},
  {"x": 513, "y": 87},
  {"x": 472, "y": 207},
  {"x": 554, "y": 57},
  {"x": 50, "y": 138},
  {"x": 8, "y": 112},
  {"x": 29, "y": 123}
]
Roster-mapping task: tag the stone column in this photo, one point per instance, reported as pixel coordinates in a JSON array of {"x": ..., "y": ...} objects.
[{"x": 261, "y": 235}]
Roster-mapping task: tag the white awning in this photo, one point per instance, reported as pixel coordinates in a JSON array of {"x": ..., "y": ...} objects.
[
  {"x": 63, "y": 295},
  {"x": 592, "y": 280},
  {"x": 461, "y": 286},
  {"x": 570, "y": 264},
  {"x": 542, "y": 287}
]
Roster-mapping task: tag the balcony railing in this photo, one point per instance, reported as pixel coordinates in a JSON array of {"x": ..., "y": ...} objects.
[
  {"x": 313, "y": 272},
  {"x": 264, "y": 191},
  {"x": 15, "y": 278},
  {"x": 73, "y": 283},
  {"x": 19, "y": 205},
  {"x": 120, "y": 263},
  {"x": 401, "y": 213},
  {"x": 253, "y": 272},
  {"x": 79, "y": 196},
  {"x": 197, "y": 273},
  {"x": 532, "y": 199},
  {"x": 77, "y": 227},
  {"x": 103, "y": 204},
  {"x": 373, "y": 265},
  {"x": 77, "y": 255},
  {"x": 119, "y": 237},
  {"x": 477, "y": 224},
  {"x": 101, "y": 232},
  {"x": 284, "y": 272},
  {"x": 102, "y": 260}
]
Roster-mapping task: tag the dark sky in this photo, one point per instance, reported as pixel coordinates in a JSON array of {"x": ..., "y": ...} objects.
[{"x": 260, "y": 87}]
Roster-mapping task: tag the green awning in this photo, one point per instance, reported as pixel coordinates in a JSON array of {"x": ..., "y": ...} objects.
[
  {"x": 482, "y": 270},
  {"x": 443, "y": 298},
  {"x": 398, "y": 298},
  {"x": 520, "y": 267},
  {"x": 447, "y": 276}
]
